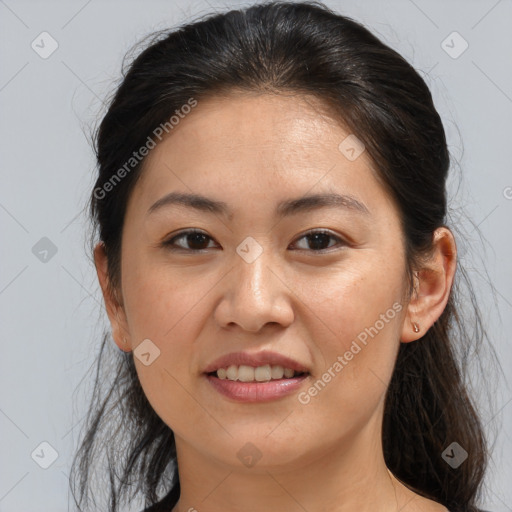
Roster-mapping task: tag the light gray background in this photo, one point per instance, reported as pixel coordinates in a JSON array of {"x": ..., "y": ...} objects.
[{"x": 51, "y": 318}]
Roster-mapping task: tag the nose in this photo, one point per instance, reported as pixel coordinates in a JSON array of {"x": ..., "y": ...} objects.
[{"x": 255, "y": 294}]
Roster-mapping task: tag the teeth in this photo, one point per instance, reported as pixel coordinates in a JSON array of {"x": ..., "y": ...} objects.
[
  {"x": 231, "y": 372},
  {"x": 245, "y": 373},
  {"x": 277, "y": 372}
]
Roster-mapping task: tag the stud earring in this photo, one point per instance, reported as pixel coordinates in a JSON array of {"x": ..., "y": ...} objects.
[{"x": 415, "y": 327}]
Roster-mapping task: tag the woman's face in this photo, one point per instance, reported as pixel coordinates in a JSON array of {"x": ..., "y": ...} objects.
[{"x": 255, "y": 282}]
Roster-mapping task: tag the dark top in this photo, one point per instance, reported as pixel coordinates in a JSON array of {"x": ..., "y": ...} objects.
[
  {"x": 167, "y": 503},
  {"x": 161, "y": 507}
]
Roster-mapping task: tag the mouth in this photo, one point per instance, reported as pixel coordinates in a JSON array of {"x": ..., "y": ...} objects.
[
  {"x": 248, "y": 384},
  {"x": 255, "y": 377}
]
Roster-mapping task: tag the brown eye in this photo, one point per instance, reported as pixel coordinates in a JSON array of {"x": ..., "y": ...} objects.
[
  {"x": 196, "y": 241},
  {"x": 319, "y": 240}
]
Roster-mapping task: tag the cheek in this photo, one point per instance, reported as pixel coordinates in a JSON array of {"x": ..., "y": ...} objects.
[
  {"x": 166, "y": 312},
  {"x": 167, "y": 390},
  {"x": 351, "y": 301},
  {"x": 163, "y": 306},
  {"x": 362, "y": 312},
  {"x": 161, "y": 302}
]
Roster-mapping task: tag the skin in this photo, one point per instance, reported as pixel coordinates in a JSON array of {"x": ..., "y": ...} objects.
[{"x": 253, "y": 151}]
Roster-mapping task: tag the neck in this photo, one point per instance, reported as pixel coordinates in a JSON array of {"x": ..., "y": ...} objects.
[{"x": 346, "y": 476}]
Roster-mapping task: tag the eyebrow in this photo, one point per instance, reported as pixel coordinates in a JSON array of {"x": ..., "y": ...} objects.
[{"x": 284, "y": 208}]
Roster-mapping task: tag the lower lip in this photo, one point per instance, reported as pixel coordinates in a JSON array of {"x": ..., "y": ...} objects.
[{"x": 256, "y": 391}]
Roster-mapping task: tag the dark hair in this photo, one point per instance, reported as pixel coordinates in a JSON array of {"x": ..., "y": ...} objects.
[{"x": 292, "y": 48}]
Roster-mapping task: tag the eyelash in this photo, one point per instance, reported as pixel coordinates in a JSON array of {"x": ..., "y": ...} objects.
[{"x": 169, "y": 244}]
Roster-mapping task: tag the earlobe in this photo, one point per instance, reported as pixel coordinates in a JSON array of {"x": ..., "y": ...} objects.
[
  {"x": 433, "y": 283},
  {"x": 114, "y": 310}
]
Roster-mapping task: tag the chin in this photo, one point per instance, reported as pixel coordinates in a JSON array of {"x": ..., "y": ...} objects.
[{"x": 262, "y": 452}]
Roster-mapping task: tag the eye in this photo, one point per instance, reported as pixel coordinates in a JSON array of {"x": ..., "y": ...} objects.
[
  {"x": 318, "y": 239},
  {"x": 196, "y": 240}
]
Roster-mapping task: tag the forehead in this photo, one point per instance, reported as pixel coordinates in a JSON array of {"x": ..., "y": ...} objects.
[
  {"x": 258, "y": 146},
  {"x": 248, "y": 123}
]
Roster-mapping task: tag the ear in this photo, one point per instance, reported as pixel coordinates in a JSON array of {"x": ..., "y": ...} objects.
[
  {"x": 433, "y": 283},
  {"x": 115, "y": 311}
]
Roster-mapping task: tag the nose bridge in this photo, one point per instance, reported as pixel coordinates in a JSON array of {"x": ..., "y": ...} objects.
[
  {"x": 255, "y": 294},
  {"x": 255, "y": 280}
]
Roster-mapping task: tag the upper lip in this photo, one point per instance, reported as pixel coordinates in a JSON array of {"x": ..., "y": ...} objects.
[{"x": 256, "y": 359}]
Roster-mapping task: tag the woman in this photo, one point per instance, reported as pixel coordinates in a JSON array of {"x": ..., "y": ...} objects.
[{"x": 279, "y": 276}]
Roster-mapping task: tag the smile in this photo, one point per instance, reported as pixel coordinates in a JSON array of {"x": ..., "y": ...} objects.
[{"x": 249, "y": 389}]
